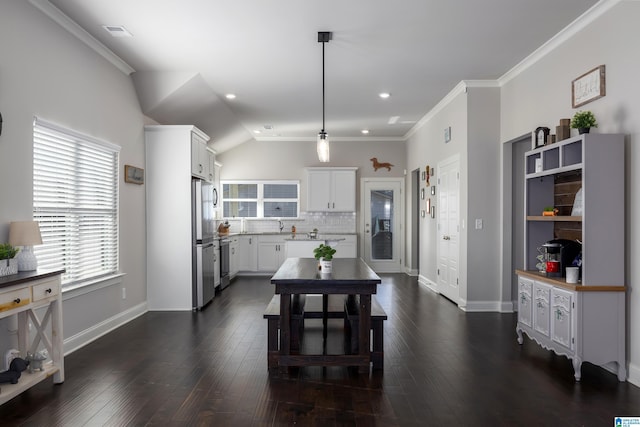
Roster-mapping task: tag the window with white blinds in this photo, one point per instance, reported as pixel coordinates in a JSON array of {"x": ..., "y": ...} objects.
[
  {"x": 75, "y": 201},
  {"x": 260, "y": 199}
]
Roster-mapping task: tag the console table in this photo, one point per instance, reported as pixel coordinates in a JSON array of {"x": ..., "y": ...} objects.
[
  {"x": 350, "y": 276},
  {"x": 22, "y": 294}
]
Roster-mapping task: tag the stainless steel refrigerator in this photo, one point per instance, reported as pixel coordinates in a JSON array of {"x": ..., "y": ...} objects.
[{"x": 202, "y": 241}]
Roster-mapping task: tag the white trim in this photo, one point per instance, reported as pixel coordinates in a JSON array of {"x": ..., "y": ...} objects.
[
  {"x": 331, "y": 139},
  {"x": 81, "y": 34},
  {"x": 66, "y": 131},
  {"x": 89, "y": 286},
  {"x": 432, "y": 286},
  {"x": 94, "y": 332},
  {"x": 634, "y": 370},
  {"x": 457, "y": 90},
  {"x": 578, "y": 24}
]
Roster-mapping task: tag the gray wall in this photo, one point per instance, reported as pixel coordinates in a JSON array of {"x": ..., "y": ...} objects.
[{"x": 46, "y": 72}]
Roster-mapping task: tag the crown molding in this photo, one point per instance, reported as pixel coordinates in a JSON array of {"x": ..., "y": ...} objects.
[
  {"x": 81, "y": 34},
  {"x": 582, "y": 21}
]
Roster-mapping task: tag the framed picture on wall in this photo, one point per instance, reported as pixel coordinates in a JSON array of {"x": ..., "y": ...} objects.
[
  {"x": 588, "y": 87},
  {"x": 133, "y": 175}
]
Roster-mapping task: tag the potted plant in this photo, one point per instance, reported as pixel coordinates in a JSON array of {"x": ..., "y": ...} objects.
[
  {"x": 549, "y": 211},
  {"x": 583, "y": 121},
  {"x": 324, "y": 254},
  {"x": 8, "y": 264}
]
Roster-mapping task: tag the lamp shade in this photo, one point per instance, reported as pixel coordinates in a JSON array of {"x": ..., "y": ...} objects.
[
  {"x": 323, "y": 147},
  {"x": 24, "y": 233}
]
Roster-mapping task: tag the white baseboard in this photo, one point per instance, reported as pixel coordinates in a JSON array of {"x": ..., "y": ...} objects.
[
  {"x": 411, "y": 272},
  {"x": 432, "y": 286},
  {"x": 633, "y": 375},
  {"x": 83, "y": 338}
]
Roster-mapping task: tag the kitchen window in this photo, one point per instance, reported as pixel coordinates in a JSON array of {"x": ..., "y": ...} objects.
[
  {"x": 75, "y": 201},
  {"x": 260, "y": 199}
]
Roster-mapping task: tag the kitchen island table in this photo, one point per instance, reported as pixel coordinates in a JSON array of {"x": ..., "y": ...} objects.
[{"x": 349, "y": 276}]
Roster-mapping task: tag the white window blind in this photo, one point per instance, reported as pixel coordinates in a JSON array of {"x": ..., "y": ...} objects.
[{"x": 75, "y": 201}]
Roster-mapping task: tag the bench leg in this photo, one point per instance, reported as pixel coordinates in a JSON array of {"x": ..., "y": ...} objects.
[
  {"x": 377, "y": 355},
  {"x": 272, "y": 343}
]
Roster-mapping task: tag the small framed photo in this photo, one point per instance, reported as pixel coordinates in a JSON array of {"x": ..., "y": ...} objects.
[
  {"x": 423, "y": 175},
  {"x": 428, "y": 205},
  {"x": 447, "y": 134},
  {"x": 588, "y": 87},
  {"x": 133, "y": 175},
  {"x": 422, "y": 193},
  {"x": 422, "y": 213},
  {"x": 433, "y": 190},
  {"x": 433, "y": 211}
]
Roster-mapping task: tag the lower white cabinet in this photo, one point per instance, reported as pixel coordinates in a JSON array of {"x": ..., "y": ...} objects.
[
  {"x": 583, "y": 323},
  {"x": 271, "y": 252},
  {"x": 248, "y": 253}
]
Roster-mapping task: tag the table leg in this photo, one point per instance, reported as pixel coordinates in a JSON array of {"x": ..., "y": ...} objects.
[
  {"x": 365, "y": 327},
  {"x": 285, "y": 324},
  {"x": 325, "y": 308}
]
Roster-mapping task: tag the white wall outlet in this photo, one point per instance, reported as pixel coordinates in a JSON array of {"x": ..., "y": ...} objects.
[{"x": 478, "y": 224}]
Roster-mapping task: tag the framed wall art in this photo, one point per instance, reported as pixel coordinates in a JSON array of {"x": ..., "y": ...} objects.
[
  {"x": 588, "y": 87},
  {"x": 133, "y": 175}
]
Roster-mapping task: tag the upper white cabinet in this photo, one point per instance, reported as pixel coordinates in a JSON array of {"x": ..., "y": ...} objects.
[
  {"x": 331, "y": 189},
  {"x": 202, "y": 159}
]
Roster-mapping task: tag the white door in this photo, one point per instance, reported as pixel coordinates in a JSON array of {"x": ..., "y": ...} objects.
[
  {"x": 381, "y": 224},
  {"x": 448, "y": 217}
]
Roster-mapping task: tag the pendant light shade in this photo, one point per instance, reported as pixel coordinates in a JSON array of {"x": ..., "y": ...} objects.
[
  {"x": 323, "y": 147},
  {"x": 323, "y": 138}
]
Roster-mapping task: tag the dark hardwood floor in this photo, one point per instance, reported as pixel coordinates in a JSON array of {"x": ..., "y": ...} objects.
[{"x": 442, "y": 367}]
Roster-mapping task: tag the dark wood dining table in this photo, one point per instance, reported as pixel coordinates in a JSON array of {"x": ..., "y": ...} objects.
[{"x": 349, "y": 276}]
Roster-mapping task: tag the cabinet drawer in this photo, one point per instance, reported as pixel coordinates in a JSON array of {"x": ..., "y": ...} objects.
[
  {"x": 16, "y": 298},
  {"x": 46, "y": 289}
]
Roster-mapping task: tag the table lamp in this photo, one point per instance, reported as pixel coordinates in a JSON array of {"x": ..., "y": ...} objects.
[{"x": 25, "y": 234}]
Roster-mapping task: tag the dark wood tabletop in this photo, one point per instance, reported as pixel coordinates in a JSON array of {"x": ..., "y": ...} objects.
[{"x": 27, "y": 276}]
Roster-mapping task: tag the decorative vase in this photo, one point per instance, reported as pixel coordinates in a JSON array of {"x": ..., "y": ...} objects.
[
  {"x": 8, "y": 267},
  {"x": 583, "y": 130},
  {"x": 325, "y": 266}
]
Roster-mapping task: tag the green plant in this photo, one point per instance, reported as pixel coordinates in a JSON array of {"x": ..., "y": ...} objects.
[
  {"x": 7, "y": 251},
  {"x": 324, "y": 252},
  {"x": 549, "y": 209},
  {"x": 584, "y": 119}
]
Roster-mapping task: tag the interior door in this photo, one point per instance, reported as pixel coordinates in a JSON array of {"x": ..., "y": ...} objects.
[
  {"x": 448, "y": 217},
  {"x": 382, "y": 215}
]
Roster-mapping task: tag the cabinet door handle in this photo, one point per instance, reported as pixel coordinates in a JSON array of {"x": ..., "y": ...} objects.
[
  {"x": 334, "y": 206},
  {"x": 328, "y": 205},
  {"x": 48, "y": 291},
  {"x": 249, "y": 240},
  {"x": 17, "y": 300}
]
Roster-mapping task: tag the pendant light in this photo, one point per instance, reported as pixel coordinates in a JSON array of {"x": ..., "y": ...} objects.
[{"x": 323, "y": 138}]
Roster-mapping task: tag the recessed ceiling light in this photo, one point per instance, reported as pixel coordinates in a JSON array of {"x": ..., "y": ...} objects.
[
  {"x": 257, "y": 131},
  {"x": 268, "y": 127},
  {"x": 393, "y": 120},
  {"x": 384, "y": 95},
  {"x": 230, "y": 96},
  {"x": 117, "y": 30},
  {"x": 365, "y": 131}
]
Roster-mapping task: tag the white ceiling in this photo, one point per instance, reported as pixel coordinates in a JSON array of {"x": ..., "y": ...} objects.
[{"x": 188, "y": 54}]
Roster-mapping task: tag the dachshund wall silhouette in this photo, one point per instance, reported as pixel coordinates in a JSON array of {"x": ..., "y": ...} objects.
[{"x": 377, "y": 165}]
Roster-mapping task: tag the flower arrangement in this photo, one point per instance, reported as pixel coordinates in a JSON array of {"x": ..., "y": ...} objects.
[{"x": 583, "y": 120}]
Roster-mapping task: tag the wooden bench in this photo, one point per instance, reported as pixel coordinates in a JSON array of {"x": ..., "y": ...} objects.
[
  {"x": 351, "y": 324},
  {"x": 272, "y": 314}
]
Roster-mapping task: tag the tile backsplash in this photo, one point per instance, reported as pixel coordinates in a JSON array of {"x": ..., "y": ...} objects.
[{"x": 325, "y": 222}]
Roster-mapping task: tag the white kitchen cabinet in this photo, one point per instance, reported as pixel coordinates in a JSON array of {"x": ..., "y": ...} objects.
[
  {"x": 347, "y": 248},
  {"x": 271, "y": 252},
  {"x": 331, "y": 189},
  {"x": 168, "y": 215},
  {"x": 248, "y": 254},
  {"x": 542, "y": 308},
  {"x": 200, "y": 157},
  {"x": 234, "y": 257}
]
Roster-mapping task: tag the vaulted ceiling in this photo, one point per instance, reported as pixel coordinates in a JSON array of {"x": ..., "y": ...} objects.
[{"x": 187, "y": 55}]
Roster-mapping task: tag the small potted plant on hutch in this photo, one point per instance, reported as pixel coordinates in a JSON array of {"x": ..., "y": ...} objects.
[
  {"x": 583, "y": 121},
  {"x": 549, "y": 211},
  {"x": 324, "y": 254},
  {"x": 8, "y": 263}
]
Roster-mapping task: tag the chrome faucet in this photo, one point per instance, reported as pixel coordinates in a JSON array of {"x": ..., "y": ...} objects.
[{"x": 281, "y": 225}]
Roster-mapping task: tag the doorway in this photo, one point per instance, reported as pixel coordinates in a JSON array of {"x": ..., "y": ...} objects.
[{"x": 382, "y": 214}]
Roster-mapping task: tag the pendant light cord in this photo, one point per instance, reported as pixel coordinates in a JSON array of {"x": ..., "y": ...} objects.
[{"x": 323, "y": 43}]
